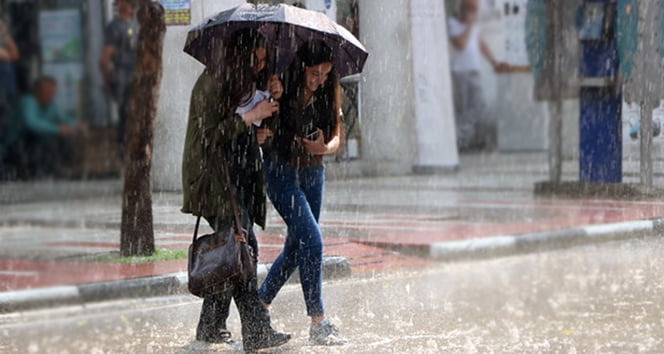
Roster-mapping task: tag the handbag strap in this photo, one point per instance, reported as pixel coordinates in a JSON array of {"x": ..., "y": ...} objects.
[
  {"x": 234, "y": 197},
  {"x": 231, "y": 190}
]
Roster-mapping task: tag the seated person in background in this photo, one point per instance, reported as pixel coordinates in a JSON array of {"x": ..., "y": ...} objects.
[{"x": 48, "y": 133}]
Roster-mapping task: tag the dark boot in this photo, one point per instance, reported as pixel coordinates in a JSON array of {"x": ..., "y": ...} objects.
[
  {"x": 257, "y": 333},
  {"x": 265, "y": 339},
  {"x": 220, "y": 336},
  {"x": 212, "y": 323}
]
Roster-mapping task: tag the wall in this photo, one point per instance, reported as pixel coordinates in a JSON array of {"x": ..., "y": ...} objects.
[
  {"x": 326, "y": 6},
  {"x": 180, "y": 74},
  {"x": 522, "y": 122}
]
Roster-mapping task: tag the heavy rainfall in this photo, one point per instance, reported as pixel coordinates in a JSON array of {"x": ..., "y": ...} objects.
[{"x": 331, "y": 176}]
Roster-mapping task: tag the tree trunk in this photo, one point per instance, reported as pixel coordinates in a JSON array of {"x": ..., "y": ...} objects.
[{"x": 137, "y": 235}]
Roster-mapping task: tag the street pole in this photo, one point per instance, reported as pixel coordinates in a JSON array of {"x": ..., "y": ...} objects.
[
  {"x": 556, "y": 103},
  {"x": 137, "y": 234},
  {"x": 648, "y": 84},
  {"x": 555, "y": 140},
  {"x": 645, "y": 145}
]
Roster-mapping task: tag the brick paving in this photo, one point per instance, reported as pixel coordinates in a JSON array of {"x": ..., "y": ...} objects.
[{"x": 370, "y": 221}]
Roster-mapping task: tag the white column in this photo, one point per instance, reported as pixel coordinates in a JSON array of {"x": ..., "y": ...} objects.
[
  {"x": 388, "y": 112},
  {"x": 329, "y": 7},
  {"x": 434, "y": 110}
]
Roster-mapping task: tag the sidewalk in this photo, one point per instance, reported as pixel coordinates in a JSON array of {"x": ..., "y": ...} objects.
[{"x": 48, "y": 229}]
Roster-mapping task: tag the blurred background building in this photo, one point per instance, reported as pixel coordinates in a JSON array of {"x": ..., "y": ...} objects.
[{"x": 398, "y": 112}]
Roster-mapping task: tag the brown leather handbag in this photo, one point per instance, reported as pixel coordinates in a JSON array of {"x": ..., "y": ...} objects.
[{"x": 222, "y": 256}]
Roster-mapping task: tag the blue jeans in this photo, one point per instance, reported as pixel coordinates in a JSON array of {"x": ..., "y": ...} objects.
[{"x": 297, "y": 194}]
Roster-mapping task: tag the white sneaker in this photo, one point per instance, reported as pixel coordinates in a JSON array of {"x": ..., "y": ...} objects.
[{"x": 326, "y": 334}]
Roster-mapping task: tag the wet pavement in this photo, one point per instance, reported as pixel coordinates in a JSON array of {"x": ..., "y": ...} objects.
[
  {"x": 49, "y": 229},
  {"x": 603, "y": 298}
]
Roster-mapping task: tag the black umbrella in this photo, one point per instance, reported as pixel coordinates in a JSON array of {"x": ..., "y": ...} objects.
[{"x": 286, "y": 28}]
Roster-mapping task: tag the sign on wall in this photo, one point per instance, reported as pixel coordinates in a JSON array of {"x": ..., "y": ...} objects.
[
  {"x": 631, "y": 119},
  {"x": 60, "y": 35},
  {"x": 514, "y": 12},
  {"x": 62, "y": 53},
  {"x": 178, "y": 12}
]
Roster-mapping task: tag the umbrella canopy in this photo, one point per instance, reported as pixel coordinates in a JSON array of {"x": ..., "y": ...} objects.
[{"x": 286, "y": 28}]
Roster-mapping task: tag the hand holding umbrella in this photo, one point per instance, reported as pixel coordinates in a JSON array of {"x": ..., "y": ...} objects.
[{"x": 275, "y": 87}]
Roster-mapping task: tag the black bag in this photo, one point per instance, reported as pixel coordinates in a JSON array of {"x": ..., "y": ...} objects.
[
  {"x": 217, "y": 258},
  {"x": 224, "y": 255}
]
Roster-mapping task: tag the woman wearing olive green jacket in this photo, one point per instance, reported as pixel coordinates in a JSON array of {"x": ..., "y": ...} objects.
[{"x": 223, "y": 87}]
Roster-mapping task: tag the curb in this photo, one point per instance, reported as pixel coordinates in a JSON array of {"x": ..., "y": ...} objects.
[
  {"x": 549, "y": 240},
  {"x": 336, "y": 267},
  {"x": 162, "y": 285}
]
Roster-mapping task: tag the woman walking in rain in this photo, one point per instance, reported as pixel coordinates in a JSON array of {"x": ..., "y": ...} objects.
[
  {"x": 308, "y": 127},
  {"x": 227, "y": 84}
]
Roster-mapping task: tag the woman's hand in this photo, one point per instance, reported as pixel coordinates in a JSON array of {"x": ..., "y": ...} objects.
[
  {"x": 4, "y": 54},
  {"x": 275, "y": 87},
  {"x": 262, "y": 110},
  {"x": 317, "y": 146},
  {"x": 262, "y": 134}
]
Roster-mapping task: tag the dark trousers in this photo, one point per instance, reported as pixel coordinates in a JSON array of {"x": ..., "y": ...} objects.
[{"x": 214, "y": 312}]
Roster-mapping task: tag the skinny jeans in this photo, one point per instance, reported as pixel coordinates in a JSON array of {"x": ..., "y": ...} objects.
[{"x": 297, "y": 194}]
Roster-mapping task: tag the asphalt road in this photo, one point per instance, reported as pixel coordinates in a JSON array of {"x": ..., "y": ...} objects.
[{"x": 599, "y": 298}]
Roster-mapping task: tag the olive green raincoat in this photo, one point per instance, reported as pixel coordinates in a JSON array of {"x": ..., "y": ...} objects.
[{"x": 205, "y": 118}]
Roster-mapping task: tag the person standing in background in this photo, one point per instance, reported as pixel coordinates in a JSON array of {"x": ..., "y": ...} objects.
[
  {"x": 9, "y": 53},
  {"x": 467, "y": 49},
  {"x": 117, "y": 60}
]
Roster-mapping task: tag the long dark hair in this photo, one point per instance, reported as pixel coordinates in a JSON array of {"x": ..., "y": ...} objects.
[
  {"x": 235, "y": 74},
  {"x": 327, "y": 97}
]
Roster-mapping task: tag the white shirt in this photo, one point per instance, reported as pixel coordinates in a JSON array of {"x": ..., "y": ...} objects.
[
  {"x": 257, "y": 97},
  {"x": 468, "y": 58}
]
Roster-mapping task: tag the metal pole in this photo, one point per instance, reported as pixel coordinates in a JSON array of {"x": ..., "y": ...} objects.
[
  {"x": 555, "y": 140},
  {"x": 645, "y": 144},
  {"x": 556, "y": 103}
]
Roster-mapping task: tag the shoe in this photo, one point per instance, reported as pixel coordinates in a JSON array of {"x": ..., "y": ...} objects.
[
  {"x": 268, "y": 339},
  {"x": 325, "y": 334},
  {"x": 222, "y": 336}
]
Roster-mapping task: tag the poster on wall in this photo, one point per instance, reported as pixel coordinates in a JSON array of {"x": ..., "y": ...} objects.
[
  {"x": 62, "y": 55},
  {"x": 178, "y": 12},
  {"x": 631, "y": 117},
  {"x": 348, "y": 16},
  {"x": 514, "y": 12},
  {"x": 68, "y": 76},
  {"x": 60, "y": 35}
]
